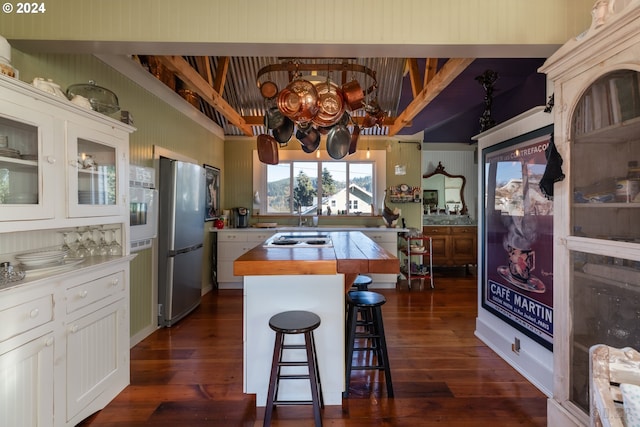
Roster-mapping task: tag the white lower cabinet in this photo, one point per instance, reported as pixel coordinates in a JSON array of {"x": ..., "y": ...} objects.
[
  {"x": 389, "y": 241},
  {"x": 26, "y": 382},
  {"x": 65, "y": 351},
  {"x": 231, "y": 245}
]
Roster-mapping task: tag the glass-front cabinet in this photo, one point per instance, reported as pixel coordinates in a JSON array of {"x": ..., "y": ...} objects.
[
  {"x": 94, "y": 171},
  {"x": 597, "y": 204},
  {"x": 25, "y": 165},
  {"x": 605, "y": 222}
]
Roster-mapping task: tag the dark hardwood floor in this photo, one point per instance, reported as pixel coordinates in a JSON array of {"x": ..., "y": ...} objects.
[{"x": 191, "y": 374}]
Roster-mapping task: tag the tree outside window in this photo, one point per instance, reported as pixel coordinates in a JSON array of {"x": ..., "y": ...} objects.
[{"x": 320, "y": 188}]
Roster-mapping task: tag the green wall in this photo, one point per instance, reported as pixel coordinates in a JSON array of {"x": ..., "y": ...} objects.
[{"x": 157, "y": 124}]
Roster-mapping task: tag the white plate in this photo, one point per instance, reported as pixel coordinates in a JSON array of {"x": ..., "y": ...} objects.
[
  {"x": 35, "y": 259},
  {"x": 66, "y": 264}
]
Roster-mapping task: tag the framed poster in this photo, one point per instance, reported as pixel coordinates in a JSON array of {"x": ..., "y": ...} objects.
[
  {"x": 212, "y": 192},
  {"x": 517, "y": 282}
]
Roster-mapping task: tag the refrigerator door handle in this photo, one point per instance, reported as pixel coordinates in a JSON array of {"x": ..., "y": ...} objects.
[{"x": 185, "y": 250}]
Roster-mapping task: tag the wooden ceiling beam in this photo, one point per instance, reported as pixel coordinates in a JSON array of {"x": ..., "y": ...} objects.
[
  {"x": 204, "y": 68},
  {"x": 221, "y": 74},
  {"x": 414, "y": 76},
  {"x": 430, "y": 69},
  {"x": 447, "y": 74},
  {"x": 196, "y": 82}
]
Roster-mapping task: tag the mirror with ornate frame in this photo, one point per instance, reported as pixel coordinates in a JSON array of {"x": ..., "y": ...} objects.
[{"x": 447, "y": 189}]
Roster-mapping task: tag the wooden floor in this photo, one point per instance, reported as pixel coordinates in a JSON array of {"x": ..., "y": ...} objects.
[{"x": 191, "y": 374}]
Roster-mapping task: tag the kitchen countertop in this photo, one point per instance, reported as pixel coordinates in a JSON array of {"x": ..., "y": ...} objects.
[
  {"x": 352, "y": 253},
  {"x": 319, "y": 228}
]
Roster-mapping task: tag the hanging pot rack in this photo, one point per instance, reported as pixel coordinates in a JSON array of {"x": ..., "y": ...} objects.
[{"x": 294, "y": 67}]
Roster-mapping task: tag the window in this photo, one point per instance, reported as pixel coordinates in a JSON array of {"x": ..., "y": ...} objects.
[{"x": 317, "y": 187}]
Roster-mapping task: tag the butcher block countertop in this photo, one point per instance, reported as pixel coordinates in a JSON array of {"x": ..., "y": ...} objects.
[{"x": 352, "y": 253}]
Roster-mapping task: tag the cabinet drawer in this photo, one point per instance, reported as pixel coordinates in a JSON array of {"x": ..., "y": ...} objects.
[
  {"x": 229, "y": 251},
  {"x": 383, "y": 237},
  {"x": 25, "y": 316},
  {"x": 225, "y": 236},
  {"x": 258, "y": 237},
  {"x": 464, "y": 230},
  {"x": 95, "y": 290},
  {"x": 432, "y": 231}
]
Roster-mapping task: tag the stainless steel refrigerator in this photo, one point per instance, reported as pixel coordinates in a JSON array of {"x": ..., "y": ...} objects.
[{"x": 180, "y": 239}]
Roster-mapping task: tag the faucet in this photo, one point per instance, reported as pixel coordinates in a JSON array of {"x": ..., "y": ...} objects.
[{"x": 300, "y": 223}]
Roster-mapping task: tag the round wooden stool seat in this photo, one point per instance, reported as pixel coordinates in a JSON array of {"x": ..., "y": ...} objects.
[
  {"x": 362, "y": 282},
  {"x": 294, "y": 322},
  {"x": 365, "y": 298}
]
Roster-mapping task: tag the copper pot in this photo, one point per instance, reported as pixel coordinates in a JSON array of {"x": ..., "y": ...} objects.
[
  {"x": 330, "y": 103},
  {"x": 353, "y": 95},
  {"x": 299, "y": 101},
  {"x": 268, "y": 90}
]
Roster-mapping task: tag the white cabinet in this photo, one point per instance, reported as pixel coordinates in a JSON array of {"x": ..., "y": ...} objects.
[
  {"x": 62, "y": 165},
  {"x": 96, "y": 163},
  {"x": 27, "y": 173},
  {"x": 389, "y": 241},
  {"x": 64, "y": 332},
  {"x": 26, "y": 358},
  {"x": 597, "y": 252},
  {"x": 233, "y": 243}
]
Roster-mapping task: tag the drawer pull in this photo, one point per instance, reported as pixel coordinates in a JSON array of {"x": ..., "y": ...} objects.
[
  {"x": 51, "y": 160},
  {"x": 34, "y": 313},
  {"x": 74, "y": 329},
  {"x": 83, "y": 293},
  {"x": 48, "y": 342},
  {"x": 114, "y": 282}
]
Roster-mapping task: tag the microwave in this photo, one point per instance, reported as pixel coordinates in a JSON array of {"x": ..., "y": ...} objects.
[{"x": 143, "y": 207}]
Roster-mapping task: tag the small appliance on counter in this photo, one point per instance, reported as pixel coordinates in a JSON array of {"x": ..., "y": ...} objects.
[{"x": 241, "y": 217}]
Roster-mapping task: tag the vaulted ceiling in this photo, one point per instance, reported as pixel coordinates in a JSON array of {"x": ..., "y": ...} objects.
[{"x": 440, "y": 97}]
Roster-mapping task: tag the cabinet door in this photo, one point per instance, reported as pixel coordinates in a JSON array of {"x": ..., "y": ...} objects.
[
  {"x": 441, "y": 244},
  {"x": 97, "y": 359},
  {"x": 27, "y": 184},
  {"x": 96, "y": 170},
  {"x": 26, "y": 375},
  {"x": 463, "y": 245}
]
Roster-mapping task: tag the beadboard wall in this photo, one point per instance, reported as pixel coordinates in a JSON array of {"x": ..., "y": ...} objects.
[
  {"x": 449, "y": 28},
  {"x": 157, "y": 124}
]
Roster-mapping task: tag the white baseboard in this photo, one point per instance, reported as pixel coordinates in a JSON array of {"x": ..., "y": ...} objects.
[
  {"x": 142, "y": 334},
  {"x": 527, "y": 362}
]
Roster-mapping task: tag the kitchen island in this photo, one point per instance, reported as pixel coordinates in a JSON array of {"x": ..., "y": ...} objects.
[{"x": 309, "y": 278}]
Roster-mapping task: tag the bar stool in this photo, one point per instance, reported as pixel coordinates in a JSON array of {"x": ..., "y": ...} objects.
[
  {"x": 369, "y": 305},
  {"x": 362, "y": 282},
  {"x": 289, "y": 323}
]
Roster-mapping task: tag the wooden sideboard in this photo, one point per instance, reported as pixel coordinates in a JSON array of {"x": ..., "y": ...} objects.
[{"x": 453, "y": 244}]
